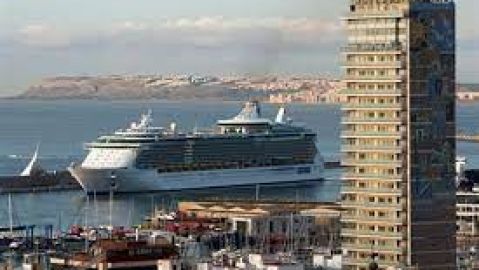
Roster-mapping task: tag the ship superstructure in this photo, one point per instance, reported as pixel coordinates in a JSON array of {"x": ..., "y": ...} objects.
[{"x": 246, "y": 149}]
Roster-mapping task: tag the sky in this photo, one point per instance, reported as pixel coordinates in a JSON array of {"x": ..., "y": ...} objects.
[{"x": 215, "y": 37}]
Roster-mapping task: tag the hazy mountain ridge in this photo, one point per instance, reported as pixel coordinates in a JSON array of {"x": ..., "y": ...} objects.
[
  {"x": 182, "y": 87},
  {"x": 164, "y": 87},
  {"x": 465, "y": 87},
  {"x": 129, "y": 88}
]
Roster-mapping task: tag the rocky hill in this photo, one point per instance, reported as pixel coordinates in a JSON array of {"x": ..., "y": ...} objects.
[
  {"x": 177, "y": 87},
  {"x": 137, "y": 87}
]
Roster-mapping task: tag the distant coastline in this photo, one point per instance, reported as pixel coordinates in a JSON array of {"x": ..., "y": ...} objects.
[
  {"x": 288, "y": 89},
  {"x": 271, "y": 89}
]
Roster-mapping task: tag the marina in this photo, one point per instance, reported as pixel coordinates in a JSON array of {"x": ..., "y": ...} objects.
[
  {"x": 193, "y": 235},
  {"x": 133, "y": 135},
  {"x": 128, "y": 211},
  {"x": 468, "y": 138},
  {"x": 79, "y": 124}
]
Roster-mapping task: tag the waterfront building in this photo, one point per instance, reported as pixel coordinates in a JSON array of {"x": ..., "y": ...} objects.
[
  {"x": 398, "y": 142},
  {"x": 468, "y": 214},
  {"x": 276, "y": 226},
  {"x": 467, "y": 208},
  {"x": 120, "y": 254}
]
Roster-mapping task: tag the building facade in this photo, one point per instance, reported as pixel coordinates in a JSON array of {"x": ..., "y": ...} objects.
[{"x": 398, "y": 133}]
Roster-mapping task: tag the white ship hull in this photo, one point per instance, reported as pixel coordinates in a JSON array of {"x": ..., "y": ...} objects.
[{"x": 137, "y": 180}]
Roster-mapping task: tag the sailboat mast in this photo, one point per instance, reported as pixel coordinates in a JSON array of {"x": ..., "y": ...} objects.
[
  {"x": 95, "y": 205},
  {"x": 87, "y": 206},
  {"x": 257, "y": 192},
  {"x": 10, "y": 212},
  {"x": 110, "y": 208}
]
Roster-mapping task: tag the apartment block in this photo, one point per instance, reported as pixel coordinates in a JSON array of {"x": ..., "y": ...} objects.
[{"x": 398, "y": 135}]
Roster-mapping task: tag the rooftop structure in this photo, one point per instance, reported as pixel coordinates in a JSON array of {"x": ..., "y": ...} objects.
[
  {"x": 225, "y": 209},
  {"x": 275, "y": 226},
  {"x": 120, "y": 254}
]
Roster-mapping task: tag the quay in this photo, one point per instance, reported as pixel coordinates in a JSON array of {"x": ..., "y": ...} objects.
[
  {"x": 38, "y": 182},
  {"x": 36, "y": 179},
  {"x": 467, "y": 138}
]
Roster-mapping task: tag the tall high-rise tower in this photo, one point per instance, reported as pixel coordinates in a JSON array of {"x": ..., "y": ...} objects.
[{"x": 398, "y": 136}]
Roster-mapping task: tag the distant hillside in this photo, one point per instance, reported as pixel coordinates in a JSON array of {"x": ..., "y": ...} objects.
[
  {"x": 468, "y": 87},
  {"x": 137, "y": 87},
  {"x": 176, "y": 87}
]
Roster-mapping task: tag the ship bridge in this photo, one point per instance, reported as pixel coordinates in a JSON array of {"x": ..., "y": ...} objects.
[{"x": 248, "y": 120}]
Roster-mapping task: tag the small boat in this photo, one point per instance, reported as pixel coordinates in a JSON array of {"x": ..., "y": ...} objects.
[{"x": 35, "y": 178}]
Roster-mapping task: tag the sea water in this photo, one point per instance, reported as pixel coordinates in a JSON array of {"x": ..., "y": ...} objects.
[{"x": 62, "y": 127}]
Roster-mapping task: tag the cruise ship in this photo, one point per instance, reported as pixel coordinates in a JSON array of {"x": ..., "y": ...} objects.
[{"x": 247, "y": 149}]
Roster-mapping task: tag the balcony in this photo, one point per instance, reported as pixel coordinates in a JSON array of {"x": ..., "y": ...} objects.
[
  {"x": 395, "y": 48},
  {"x": 372, "y": 220},
  {"x": 370, "y": 176},
  {"x": 368, "y": 106},
  {"x": 374, "y": 14},
  {"x": 360, "y": 120},
  {"x": 371, "y": 148},
  {"x": 370, "y": 134},
  {"x": 357, "y": 233},
  {"x": 366, "y": 261},
  {"x": 384, "y": 25},
  {"x": 364, "y": 64},
  {"x": 370, "y": 205},
  {"x": 388, "y": 191},
  {"x": 383, "y": 92},
  {"x": 365, "y": 247},
  {"x": 374, "y": 78},
  {"x": 371, "y": 162}
]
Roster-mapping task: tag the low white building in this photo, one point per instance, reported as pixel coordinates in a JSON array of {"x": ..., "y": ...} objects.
[
  {"x": 467, "y": 213},
  {"x": 252, "y": 262},
  {"x": 327, "y": 261}
]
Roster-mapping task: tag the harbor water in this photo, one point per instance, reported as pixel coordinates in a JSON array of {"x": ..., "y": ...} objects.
[{"x": 61, "y": 128}]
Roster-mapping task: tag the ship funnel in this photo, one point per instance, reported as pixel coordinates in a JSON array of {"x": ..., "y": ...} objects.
[{"x": 280, "y": 117}]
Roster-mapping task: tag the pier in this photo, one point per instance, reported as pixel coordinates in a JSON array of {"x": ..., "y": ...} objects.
[
  {"x": 467, "y": 138},
  {"x": 41, "y": 182}
]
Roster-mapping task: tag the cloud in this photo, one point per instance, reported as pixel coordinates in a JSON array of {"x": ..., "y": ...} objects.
[
  {"x": 271, "y": 35},
  {"x": 212, "y": 32},
  {"x": 42, "y": 35},
  {"x": 220, "y": 23}
]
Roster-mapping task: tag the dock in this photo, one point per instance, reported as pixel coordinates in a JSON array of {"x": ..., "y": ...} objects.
[
  {"x": 39, "y": 182},
  {"x": 467, "y": 138}
]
